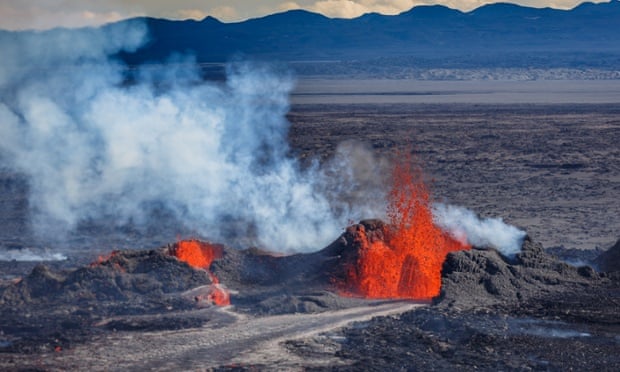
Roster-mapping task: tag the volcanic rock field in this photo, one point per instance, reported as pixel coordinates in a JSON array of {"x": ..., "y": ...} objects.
[{"x": 132, "y": 300}]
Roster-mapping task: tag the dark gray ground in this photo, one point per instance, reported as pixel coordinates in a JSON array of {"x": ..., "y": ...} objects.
[
  {"x": 138, "y": 309},
  {"x": 550, "y": 169}
]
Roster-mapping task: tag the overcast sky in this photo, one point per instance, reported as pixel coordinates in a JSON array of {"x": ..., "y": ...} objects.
[{"x": 41, "y": 14}]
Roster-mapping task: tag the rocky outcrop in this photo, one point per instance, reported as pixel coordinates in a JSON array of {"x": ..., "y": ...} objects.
[
  {"x": 127, "y": 290},
  {"x": 135, "y": 277},
  {"x": 480, "y": 278},
  {"x": 531, "y": 312}
]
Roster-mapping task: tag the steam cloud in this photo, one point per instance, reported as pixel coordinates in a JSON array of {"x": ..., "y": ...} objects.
[
  {"x": 487, "y": 232},
  {"x": 34, "y": 255},
  {"x": 214, "y": 155}
]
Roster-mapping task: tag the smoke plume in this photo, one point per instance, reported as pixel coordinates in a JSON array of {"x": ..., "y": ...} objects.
[
  {"x": 97, "y": 146},
  {"x": 212, "y": 155},
  {"x": 464, "y": 224}
]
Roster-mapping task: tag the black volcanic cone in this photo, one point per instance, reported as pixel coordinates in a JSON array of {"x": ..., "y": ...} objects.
[
  {"x": 316, "y": 270},
  {"x": 306, "y": 282}
]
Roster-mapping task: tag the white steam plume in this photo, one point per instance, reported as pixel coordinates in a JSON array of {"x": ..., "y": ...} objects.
[
  {"x": 212, "y": 155},
  {"x": 30, "y": 255},
  {"x": 463, "y": 224}
]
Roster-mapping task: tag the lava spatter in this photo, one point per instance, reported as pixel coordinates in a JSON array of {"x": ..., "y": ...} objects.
[{"x": 407, "y": 262}]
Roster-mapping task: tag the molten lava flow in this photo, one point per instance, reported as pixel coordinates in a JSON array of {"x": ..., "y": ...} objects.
[
  {"x": 200, "y": 255},
  {"x": 407, "y": 263},
  {"x": 197, "y": 253}
]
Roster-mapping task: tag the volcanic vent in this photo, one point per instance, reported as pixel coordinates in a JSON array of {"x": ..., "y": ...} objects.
[
  {"x": 402, "y": 259},
  {"x": 200, "y": 255}
]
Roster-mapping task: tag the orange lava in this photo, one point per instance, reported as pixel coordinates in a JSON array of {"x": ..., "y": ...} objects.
[
  {"x": 108, "y": 259},
  {"x": 219, "y": 295},
  {"x": 407, "y": 263},
  {"x": 197, "y": 253},
  {"x": 103, "y": 258},
  {"x": 200, "y": 255}
]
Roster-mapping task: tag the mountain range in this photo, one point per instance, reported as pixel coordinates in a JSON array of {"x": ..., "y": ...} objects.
[{"x": 499, "y": 33}]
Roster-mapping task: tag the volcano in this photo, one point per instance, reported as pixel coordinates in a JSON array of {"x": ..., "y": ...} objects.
[
  {"x": 452, "y": 297},
  {"x": 208, "y": 291},
  {"x": 199, "y": 304},
  {"x": 183, "y": 286},
  {"x": 398, "y": 260}
]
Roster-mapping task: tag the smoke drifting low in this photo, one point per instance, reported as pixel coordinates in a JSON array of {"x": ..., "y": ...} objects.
[
  {"x": 30, "y": 255},
  {"x": 214, "y": 155},
  {"x": 464, "y": 224}
]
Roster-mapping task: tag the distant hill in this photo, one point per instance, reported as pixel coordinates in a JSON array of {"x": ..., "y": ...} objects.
[{"x": 497, "y": 34}]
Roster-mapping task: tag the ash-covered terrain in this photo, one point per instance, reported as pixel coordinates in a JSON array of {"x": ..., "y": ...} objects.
[
  {"x": 545, "y": 168},
  {"x": 150, "y": 309}
]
